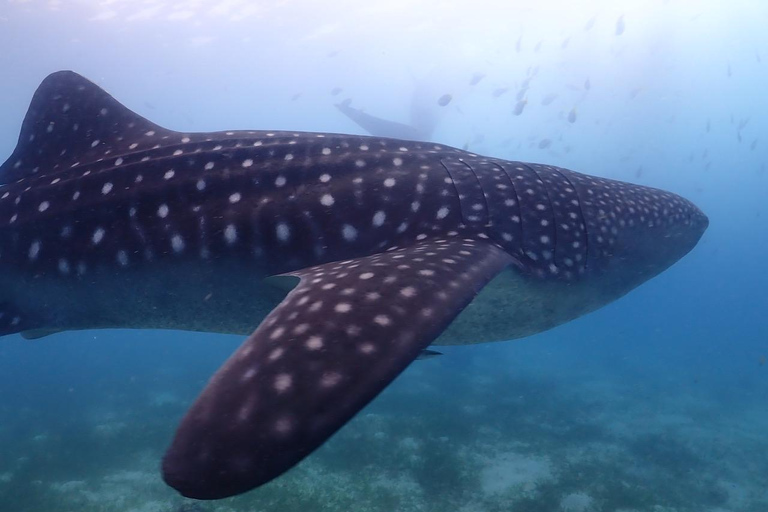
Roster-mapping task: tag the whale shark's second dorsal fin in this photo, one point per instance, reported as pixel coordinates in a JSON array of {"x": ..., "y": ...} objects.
[{"x": 73, "y": 121}]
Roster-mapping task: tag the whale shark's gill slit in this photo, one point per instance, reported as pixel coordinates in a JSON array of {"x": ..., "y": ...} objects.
[
  {"x": 585, "y": 236},
  {"x": 474, "y": 208},
  {"x": 337, "y": 339},
  {"x": 553, "y": 219},
  {"x": 485, "y": 212},
  {"x": 519, "y": 214},
  {"x": 453, "y": 180}
]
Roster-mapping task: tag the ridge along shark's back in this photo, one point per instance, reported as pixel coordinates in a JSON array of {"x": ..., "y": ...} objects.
[{"x": 375, "y": 247}]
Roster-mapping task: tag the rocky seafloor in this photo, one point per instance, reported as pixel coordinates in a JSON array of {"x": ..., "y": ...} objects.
[{"x": 439, "y": 439}]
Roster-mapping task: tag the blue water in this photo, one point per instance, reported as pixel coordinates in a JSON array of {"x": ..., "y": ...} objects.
[{"x": 656, "y": 402}]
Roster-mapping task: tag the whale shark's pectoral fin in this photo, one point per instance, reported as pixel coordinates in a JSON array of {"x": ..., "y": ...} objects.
[{"x": 337, "y": 339}]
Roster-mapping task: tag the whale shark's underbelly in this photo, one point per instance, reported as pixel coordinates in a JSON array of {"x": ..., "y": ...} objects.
[{"x": 233, "y": 297}]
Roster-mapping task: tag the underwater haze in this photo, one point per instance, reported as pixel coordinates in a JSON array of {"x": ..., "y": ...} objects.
[{"x": 657, "y": 402}]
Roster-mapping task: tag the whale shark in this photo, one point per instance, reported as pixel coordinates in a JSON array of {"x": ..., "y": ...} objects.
[
  {"x": 423, "y": 112},
  {"x": 341, "y": 259},
  {"x": 421, "y": 127}
]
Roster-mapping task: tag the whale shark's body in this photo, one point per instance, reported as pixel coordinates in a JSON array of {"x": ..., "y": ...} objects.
[{"x": 343, "y": 257}]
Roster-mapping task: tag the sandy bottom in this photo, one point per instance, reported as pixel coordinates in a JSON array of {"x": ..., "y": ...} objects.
[{"x": 435, "y": 441}]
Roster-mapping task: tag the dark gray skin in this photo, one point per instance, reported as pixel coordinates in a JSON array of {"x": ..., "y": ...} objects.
[{"x": 343, "y": 257}]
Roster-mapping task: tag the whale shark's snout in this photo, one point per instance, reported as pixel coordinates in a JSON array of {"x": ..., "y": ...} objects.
[
  {"x": 699, "y": 222},
  {"x": 678, "y": 227},
  {"x": 671, "y": 227},
  {"x": 699, "y": 225},
  {"x": 685, "y": 237}
]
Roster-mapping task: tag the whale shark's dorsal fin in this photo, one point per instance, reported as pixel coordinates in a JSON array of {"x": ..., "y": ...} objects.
[{"x": 73, "y": 121}]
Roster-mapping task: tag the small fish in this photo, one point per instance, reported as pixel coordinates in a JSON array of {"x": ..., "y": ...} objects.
[
  {"x": 587, "y": 84},
  {"x": 753, "y": 145},
  {"x": 634, "y": 92},
  {"x": 296, "y": 96},
  {"x": 565, "y": 42},
  {"x": 332, "y": 53},
  {"x": 743, "y": 123},
  {"x": 762, "y": 360},
  {"x": 620, "y": 25},
  {"x": 521, "y": 93},
  {"x": 537, "y": 47},
  {"x": 639, "y": 172},
  {"x": 549, "y": 98},
  {"x": 590, "y": 23},
  {"x": 444, "y": 100},
  {"x": 545, "y": 143},
  {"x": 757, "y": 57},
  {"x": 519, "y": 44},
  {"x": 572, "y": 115},
  {"x": 709, "y": 126},
  {"x": 335, "y": 91},
  {"x": 476, "y": 78},
  {"x": 499, "y": 91},
  {"x": 729, "y": 71},
  {"x": 520, "y": 106}
]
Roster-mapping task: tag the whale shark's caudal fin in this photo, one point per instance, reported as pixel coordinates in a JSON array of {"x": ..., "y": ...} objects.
[
  {"x": 73, "y": 121},
  {"x": 331, "y": 346}
]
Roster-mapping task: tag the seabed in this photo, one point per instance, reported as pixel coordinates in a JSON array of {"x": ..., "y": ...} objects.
[{"x": 437, "y": 440}]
